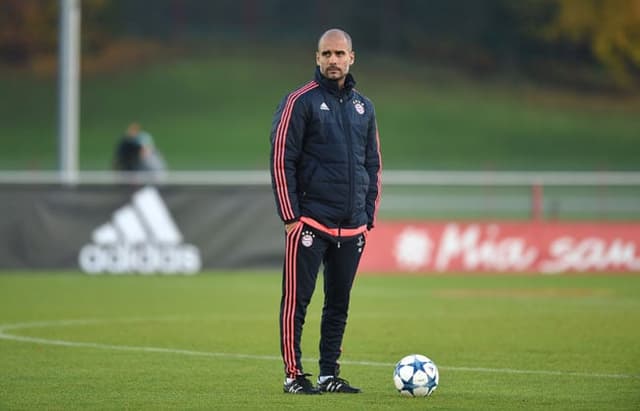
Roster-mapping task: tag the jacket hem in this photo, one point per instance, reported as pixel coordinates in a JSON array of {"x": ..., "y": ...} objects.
[{"x": 341, "y": 232}]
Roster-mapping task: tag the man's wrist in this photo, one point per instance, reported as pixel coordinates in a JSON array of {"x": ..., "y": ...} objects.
[{"x": 289, "y": 226}]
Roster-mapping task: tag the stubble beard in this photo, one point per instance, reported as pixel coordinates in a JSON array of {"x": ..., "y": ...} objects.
[{"x": 335, "y": 74}]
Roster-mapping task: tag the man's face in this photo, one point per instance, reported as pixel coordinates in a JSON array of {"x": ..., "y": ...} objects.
[{"x": 334, "y": 57}]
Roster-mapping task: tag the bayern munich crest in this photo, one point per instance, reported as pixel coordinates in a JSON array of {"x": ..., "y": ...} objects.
[
  {"x": 359, "y": 106},
  {"x": 307, "y": 238}
]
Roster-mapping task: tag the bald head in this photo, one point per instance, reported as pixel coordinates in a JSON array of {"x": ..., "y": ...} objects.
[
  {"x": 335, "y": 55},
  {"x": 335, "y": 34}
]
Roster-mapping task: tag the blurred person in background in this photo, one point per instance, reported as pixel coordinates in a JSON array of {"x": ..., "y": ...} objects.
[
  {"x": 136, "y": 151},
  {"x": 325, "y": 171}
]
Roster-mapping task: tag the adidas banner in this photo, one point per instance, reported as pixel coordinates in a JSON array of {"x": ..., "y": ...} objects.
[{"x": 138, "y": 229}]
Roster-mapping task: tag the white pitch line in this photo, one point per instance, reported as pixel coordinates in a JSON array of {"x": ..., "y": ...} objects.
[{"x": 11, "y": 337}]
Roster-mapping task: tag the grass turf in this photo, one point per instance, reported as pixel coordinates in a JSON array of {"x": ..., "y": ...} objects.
[
  {"x": 216, "y": 113},
  {"x": 211, "y": 342}
]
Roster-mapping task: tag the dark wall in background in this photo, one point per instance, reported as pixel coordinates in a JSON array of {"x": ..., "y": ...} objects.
[{"x": 105, "y": 229}]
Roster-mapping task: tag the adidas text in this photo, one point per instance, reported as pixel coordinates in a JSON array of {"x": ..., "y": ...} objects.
[{"x": 142, "y": 259}]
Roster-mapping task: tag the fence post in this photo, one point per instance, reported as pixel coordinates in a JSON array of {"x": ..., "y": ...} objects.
[{"x": 537, "y": 202}]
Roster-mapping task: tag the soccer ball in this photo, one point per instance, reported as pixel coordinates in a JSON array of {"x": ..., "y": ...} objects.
[{"x": 416, "y": 376}]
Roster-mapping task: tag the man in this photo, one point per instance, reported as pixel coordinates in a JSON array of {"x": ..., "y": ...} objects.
[
  {"x": 136, "y": 151},
  {"x": 325, "y": 173},
  {"x": 128, "y": 155}
]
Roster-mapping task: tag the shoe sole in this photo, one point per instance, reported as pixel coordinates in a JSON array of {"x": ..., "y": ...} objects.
[{"x": 302, "y": 393}]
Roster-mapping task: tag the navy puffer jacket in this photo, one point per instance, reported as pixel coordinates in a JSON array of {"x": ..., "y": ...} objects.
[{"x": 325, "y": 155}]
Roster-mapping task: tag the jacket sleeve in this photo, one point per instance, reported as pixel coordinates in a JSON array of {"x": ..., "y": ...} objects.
[
  {"x": 287, "y": 133},
  {"x": 373, "y": 165}
]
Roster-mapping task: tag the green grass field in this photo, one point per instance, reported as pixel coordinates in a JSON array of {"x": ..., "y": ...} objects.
[
  {"x": 70, "y": 341},
  {"x": 215, "y": 112}
]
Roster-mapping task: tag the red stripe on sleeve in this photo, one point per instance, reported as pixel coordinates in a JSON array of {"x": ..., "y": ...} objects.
[{"x": 279, "y": 151}]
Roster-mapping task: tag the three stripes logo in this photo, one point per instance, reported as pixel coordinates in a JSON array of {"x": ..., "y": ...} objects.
[{"x": 141, "y": 238}]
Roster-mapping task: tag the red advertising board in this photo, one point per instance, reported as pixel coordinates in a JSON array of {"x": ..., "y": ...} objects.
[{"x": 527, "y": 247}]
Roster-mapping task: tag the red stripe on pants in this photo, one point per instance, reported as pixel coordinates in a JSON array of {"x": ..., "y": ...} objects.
[{"x": 289, "y": 309}]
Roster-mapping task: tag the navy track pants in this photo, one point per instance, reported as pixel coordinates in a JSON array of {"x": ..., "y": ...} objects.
[{"x": 305, "y": 249}]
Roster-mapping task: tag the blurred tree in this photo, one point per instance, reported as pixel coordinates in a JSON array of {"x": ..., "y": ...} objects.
[
  {"x": 568, "y": 42},
  {"x": 609, "y": 28},
  {"x": 29, "y": 28}
]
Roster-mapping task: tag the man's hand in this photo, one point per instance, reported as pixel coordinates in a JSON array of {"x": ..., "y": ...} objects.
[{"x": 290, "y": 226}]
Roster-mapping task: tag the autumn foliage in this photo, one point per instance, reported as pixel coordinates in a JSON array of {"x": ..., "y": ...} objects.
[{"x": 490, "y": 34}]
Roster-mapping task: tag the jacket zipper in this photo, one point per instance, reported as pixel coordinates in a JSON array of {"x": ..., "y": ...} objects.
[{"x": 347, "y": 132}]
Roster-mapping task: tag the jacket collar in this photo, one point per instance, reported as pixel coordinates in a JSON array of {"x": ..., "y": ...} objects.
[{"x": 332, "y": 85}]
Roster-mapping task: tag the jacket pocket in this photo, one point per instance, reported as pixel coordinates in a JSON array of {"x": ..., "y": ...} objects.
[{"x": 308, "y": 174}]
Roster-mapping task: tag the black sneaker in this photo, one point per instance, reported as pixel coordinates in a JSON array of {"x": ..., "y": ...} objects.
[
  {"x": 300, "y": 385},
  {"x": 337, "y": 384}
]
